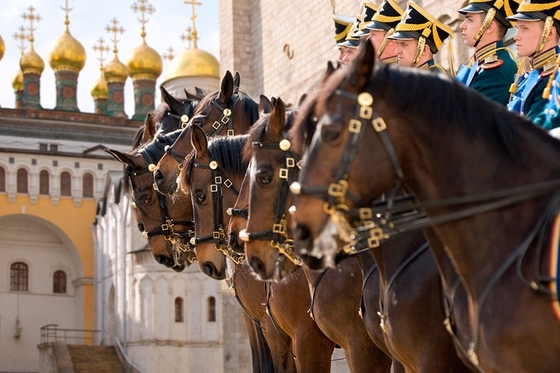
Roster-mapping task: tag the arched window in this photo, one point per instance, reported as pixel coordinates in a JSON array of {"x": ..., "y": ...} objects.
[
  {"x": 179, "y": 309},
  {"x": 44, "y": 183},
  {"x": 211, "y": 309},
  {"x": 22, "y": 181},
  {"x": 19, "y": 277},
  {"x": 87, "y": 185},
  {"x": 65, "y": 184},
  {"x": 2, "y": 179},
  {"x": 59, "y": 282}
]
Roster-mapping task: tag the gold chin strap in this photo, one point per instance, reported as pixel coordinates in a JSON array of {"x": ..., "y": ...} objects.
[
  {"x": 485, "y": 24},
  {"x": 419, "y": 50},
  {"x": 545, "y": 33},
  {"x": 385, "y": 42}
]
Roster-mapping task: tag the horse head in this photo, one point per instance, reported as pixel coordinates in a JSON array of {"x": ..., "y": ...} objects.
[
  {"x": 211, "y": 176},
  {"x": 227, "y": 111}
]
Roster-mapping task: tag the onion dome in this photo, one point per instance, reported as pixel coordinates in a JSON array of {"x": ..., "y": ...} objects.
[
  {"x": 2, "y": 47},
  {"x": 193, "y": 62},
  {"x": 67, "y": 53},
  {"x": 116, "y": 71},
  {"x": 17, "y": 83},
  {"x": 145, "y": 63},
  {"x": 100, "y": 90},
  {"x": 31, "y": 62}
]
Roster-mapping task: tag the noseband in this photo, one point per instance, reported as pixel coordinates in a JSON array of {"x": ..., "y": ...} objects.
[
  {"x": 218, "y": 236},
  {"x": 278, "y": 234}
]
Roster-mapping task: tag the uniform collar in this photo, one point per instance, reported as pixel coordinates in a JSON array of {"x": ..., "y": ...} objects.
[
  {"x": 546, "y": 60},
  {"x": 487, "y": 54}
]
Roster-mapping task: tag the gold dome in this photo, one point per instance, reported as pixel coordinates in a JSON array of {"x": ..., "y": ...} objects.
[
  {"x": 2, "y": 47},
  {"x": 67, "y": 53},
  {"x": 144, "y": 63},
  {"x": 100, "y": 90},
  {"x": 193, "y": 62},
  {"x": 17, "y": 83},
  {"x": 116, "y": 71},
  {"x": 31, "y": 62}
]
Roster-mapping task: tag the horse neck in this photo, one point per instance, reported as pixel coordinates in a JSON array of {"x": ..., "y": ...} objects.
[{"x": 438, "y": 167}]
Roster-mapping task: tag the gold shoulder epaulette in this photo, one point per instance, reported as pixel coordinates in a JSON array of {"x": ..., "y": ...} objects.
[
  {"x": 491, "y": 63},
  {"x": 549, "y": 68}
]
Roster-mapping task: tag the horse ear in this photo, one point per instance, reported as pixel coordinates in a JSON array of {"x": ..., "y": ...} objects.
[
  {"x": 149, "y": 128},
  {"x": 189, "y": 95},
  {"x": 236, "y": 82},
  {"x": 361, "y": 67},
  {"x": 174, "y": 104},
  {"x": 277, "y": 119},
  {"x": 302, "y": 99},
  {"x": 121, "y": 157},
  {"x": 199, "y": 140},
  {"x": 226, "y": 90},
  {"x": 265, "y": 106},
  {"x": 200, "y": 93}
]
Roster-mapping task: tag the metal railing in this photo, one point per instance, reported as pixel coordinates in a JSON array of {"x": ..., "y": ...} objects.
[{"x": 52, "y": 333}]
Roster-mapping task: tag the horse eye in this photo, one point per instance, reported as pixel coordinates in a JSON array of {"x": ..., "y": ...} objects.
[
  {"x": 264, "y": 178},
  {"x": 200, "y": 197},
  {"x": 330, "y": 134},
  {"x": 141, "y": 227}
]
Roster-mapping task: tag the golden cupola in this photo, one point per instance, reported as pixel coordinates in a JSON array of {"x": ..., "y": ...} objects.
[
  {"x": 17, "y": 83},
  {"x": 116, "y": 71},
  {"x": 2, "y": 47},
  {"x": 67, "y": 53},
  {"x": 100, "y": 90},
  {"x": 193, "y": 62},
  {"x": 144, "y": 63},
  {"x": 31, "y": 62}
]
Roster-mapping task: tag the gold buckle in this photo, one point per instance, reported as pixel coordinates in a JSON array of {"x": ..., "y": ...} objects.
[
  {"x": 379, "y": 124},
  {"x": 283, "y": 174},
  {"x": 354, "y": 126},
  {"x": 365, "y": 213}
]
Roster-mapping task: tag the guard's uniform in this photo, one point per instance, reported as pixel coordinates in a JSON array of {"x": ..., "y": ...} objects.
[
  {"x": 418, "y": 24},
  {"x": 552, "y": 110},
  {"x": 491, "y": 72},
  {"x": 529, "y": 100}
]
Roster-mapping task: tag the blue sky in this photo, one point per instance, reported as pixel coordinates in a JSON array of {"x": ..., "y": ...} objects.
[{"x": 88, "y": 21}]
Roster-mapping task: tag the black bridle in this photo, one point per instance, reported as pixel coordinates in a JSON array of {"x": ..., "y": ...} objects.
[
  {"x": 218, "y": 236},
  {"x": 216, "y": 128},
  {"x": 278, "y": 235}
]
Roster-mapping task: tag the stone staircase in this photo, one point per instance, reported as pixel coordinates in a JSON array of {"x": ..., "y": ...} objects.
[{"x": 87, "y": 359}]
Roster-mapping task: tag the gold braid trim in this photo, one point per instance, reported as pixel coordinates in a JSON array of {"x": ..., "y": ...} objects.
[
  {"x": 528, "y": 7},
  {"x": 520, "y": 67},
  {"x": 546, "y": 91},
  {"x": 385, "y": 19}
]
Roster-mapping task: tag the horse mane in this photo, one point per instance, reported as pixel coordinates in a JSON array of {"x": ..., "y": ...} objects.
[
  {"x": 258, "y": 133},
  {"x": 248, "y": 104},
  {"x": 303, "y": 128},
  {"x": 160, "y": 112},
  {"x": 226, "y": 150}
]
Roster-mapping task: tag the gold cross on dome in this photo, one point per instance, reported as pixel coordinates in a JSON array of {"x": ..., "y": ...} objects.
[
  {"x": 31, "y": 17},
  {"x": 194, "y": 33},
  {"x": 143, "y": 6},
  {"x": 115, "y": 29}
]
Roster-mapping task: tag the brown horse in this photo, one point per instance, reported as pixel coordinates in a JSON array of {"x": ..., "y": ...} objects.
[
  {"x": 486, "y": 178},
  {"x": 167, "y": 236},
  {"x": 228, "y": 111},
  {"x": 212, "y": 175},
  {"x": 268, "y": 343},
  {"x": 415, "y": 282}
]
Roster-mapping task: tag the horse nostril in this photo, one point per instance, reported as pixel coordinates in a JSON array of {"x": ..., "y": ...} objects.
[
  {"x": 234, "y": 242},
  {"x": 164, "y": 260},
  {"x": 258, "y": 266},
  {"x": 302, "y": 232},
  {"x": 209, "y": 269}
]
